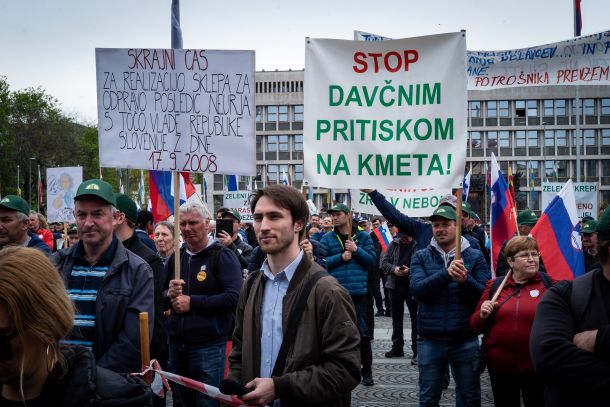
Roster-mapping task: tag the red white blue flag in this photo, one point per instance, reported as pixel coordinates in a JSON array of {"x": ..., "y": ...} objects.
[
  {"x": 577, "y": 19},
  {"x": 558, "y": 235},
  {"x": 162, "y": 195},
  {"x": 384, "y": 236},
  {"x": 503, "y": 219}
]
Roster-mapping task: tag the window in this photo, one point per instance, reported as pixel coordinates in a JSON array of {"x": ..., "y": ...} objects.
[
  {"x": 532, "y": 138},
  {"x": 475, "y": 139},
  {"x": 560, "y": 107},
  {"x": 504, "y": 112},
  {"x": 548, "y": 107},
  {"x": 272, "y": 173},
  {"x": 271, "y": 144},
  {"x": 259, "y": 114},
  {"x": 589, "y": 137},
  {"x": 475, "y": 108},
  {"x": 532, "y": 108},
  {"x": 271, "y": 114},
  {"x": 520, "y": 138},
  {"x": 284, "y": 169},
  {"x": 549, "y": 138},
  {"x": 606, "y": 137},
  {"x": 298, "y": 142},
  {"x": 606, "y": 107},
  {"x": 298, "y": 113},
  {"x": 492, "y": 108},
  {"x": 605, "y": 168},
  {"x": 561, "y": 137},
  {"x": 259, "y": 147},
  {"x": 589, "y": 107},
  {"x": 283, "y": 113},
  {"x": 520, "y": 108},
  {"x": 283, "y": 143},
  {"x": 492, "y": 139},
  {"x": 504, "y": 138},
  {"x": 298, "y": 172}
]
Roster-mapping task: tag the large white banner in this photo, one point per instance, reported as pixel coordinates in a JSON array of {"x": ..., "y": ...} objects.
[
  {"x": 585, "y": 193},
  {"x": 385, "y": 114},
  {"x": 412, "y": 202},
  {"x": 239, "y": 200},
  {"x": 176, "y": 109},
  {"x": 577, "y": 61},
  {"x": 62, "y": 183}
]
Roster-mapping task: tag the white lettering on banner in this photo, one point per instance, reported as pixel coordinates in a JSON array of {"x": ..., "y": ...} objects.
[
  {"x": 412, "y": 202},
  {"x": 385, "y": 114},
  {"x": 585, "y": 193},
  {"x": 581, "y": 60},
  {"x": 239, "y": 201},
  {"x": 176, "y": 109}
]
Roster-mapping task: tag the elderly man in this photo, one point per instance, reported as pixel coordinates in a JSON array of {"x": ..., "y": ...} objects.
[
  {"x": 14, "y": 225},
  {"x": 202, "y": 303},
  {"x": 109, "y": 285}
]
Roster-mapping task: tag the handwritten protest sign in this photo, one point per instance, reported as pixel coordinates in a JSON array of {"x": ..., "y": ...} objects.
[
  {"x": 176, "y": 109},
  {"x": 412, "y": 202},
  {"x": 62, "y": 183},
  {"x": 577, "y": 61},
  {"x": 584, "y": 192},
  {"x": 385, "y": 113},
  {"x": 239, "y": 200}
]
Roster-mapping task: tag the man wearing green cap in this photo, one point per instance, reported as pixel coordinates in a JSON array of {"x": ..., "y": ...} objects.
[
  {"x": 447, "y": 291},
  {"x": 350, "y": 254},
  {"x": 14, "y": 225},
  {"x": 109, "y": 284},
  {"x": 588, "y": 236},
  {"x": 526, "y": 220},
  {"x": 234, "y": 242},
  {"x": 125, "y": 231},
  {"x": 570, "y": 339}
]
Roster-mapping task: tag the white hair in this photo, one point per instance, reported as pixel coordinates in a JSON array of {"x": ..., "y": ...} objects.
[{"x": 195, "y": 207}]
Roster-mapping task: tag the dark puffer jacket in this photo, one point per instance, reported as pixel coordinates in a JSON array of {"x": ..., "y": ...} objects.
[{"x": 445, "y": 306}]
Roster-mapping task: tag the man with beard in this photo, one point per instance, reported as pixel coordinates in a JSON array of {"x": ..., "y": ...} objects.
[{"x": 315, "y": 361}]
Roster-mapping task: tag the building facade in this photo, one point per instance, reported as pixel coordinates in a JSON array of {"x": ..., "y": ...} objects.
[{"x": 532, "y": 130}]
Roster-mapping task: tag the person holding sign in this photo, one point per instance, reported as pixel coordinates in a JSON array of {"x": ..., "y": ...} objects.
[
  {"x": 350, "y": 255},
  {"x": 447, "y": 289}
]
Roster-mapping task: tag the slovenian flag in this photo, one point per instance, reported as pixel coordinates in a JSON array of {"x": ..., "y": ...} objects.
[
  {"x": 577, "y": 19},
  {"x": 384, "y": 236},
  {"x": 558, "y": 235},
  {"x": 161, "y": 193},
  {"x": 503, "y": 221}
]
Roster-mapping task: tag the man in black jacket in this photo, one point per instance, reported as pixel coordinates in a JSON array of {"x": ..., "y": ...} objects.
[{"x": 570, "y": 339}]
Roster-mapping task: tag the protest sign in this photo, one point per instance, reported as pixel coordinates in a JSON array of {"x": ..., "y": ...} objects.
[
  {"x": 62, "y": 183},
  {"x": 577, "y": 61},
  {"x": 176, "y": 109},
  {"x": 385, "y": 114},
  {"x": 412, "y": 202},
  {"x": 239, "y": 200},
  {"x": 585, "y": 193}
]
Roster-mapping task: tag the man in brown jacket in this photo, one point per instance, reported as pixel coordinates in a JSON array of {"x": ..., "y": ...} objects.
[{"x": 323, "y": 364}]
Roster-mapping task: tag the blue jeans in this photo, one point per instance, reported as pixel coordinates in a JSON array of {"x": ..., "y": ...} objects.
[
  {"x": 462, "y": 356},
  {"x": 204, "y": 365}
]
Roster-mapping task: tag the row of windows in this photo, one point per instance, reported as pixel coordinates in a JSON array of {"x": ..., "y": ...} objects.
[
  {"x": 279, "y": 87},
  {"x": 534, "y": 172},
  {"x": 491, "y": 140},
  {"x": 281, "y": 113},
  {"x": 533, "y": 108}
]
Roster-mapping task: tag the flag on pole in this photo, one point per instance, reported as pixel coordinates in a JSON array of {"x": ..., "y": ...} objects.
[
  {"x": 555, "y": 174},
  {"x": 176, "y": 30},
  {"x": 285, "y": 179},
  {"x": 230, "y": 182},
  {"x": 532, "y": 181},
  {"x": 502, "y": 212},
  {"x": 466, "y": 186},
  {"x": 161, "y": 193},
  {"x": 39, "y": 189},
  {"x": 384, "y": 236},
  {"x": 205, "y": 190},
  {"x": 511, "y": 182},
  {"x": 141, "y": 191},
  {"x": 558, "y": 235},
  {"x": 577, "y": 19}
]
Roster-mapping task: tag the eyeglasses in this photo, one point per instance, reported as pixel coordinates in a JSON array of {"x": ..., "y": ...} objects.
[
  {"x": 6, "y": 350},
  {"x": 526, "y": 256}
]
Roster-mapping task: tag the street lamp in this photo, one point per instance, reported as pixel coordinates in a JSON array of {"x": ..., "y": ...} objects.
[{"x": 30, "y": 182}]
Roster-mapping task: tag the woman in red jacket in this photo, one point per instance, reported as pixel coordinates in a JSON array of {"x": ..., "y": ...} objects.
[{"x": 506, "y": 325}]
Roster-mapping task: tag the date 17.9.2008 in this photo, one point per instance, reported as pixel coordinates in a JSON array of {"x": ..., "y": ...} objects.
[{"x": 193, "y": 162}]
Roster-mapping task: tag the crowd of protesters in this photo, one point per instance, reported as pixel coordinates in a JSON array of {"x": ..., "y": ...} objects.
[{"x": 285, "y": 306}]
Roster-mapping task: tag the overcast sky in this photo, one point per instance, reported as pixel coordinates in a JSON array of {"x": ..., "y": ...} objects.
[{"x": 51, "y": 43}]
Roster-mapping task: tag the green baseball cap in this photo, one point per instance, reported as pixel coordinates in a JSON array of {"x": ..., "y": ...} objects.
[
  {"x": 231, "y": 212},
  {"x": 467, "y": 209},
  {"x": 15, "y": 203},
  {"x": 126, "y": 205},
  {"x": 603, "y": 226},
  {"x": 96, "y": 187},
  {"x": 589, "y": 227},
  {"x": 340, "y": 207},
  {"x": 527, "y": 217},
  {"x": 444, "y": 211}
]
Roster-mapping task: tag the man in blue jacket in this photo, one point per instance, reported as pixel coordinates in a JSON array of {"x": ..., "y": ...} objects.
[
  {"x": 447, "y": 291},
  {"x": 350, "y": 255}
]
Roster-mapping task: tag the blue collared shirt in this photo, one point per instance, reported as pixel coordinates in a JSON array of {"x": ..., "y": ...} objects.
[{"x": 271, "y": 315}]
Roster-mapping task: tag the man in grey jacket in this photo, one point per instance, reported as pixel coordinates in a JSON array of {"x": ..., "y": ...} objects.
[{"x": 109, "y": 285}]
